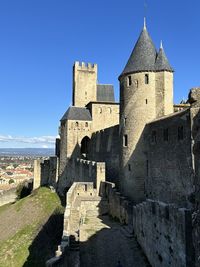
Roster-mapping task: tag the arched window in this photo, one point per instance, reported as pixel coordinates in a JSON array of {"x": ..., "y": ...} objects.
[
  {"x": 76, "y": 123},
  {"x": 85, "y": 145},
  {"x": 86, "y": 124}
]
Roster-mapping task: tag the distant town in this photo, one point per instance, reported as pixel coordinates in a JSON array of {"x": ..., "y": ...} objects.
[{"x": 16, "y": 165}]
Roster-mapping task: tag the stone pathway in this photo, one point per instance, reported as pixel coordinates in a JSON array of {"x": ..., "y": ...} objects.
[{"x": 104, "y": 241}]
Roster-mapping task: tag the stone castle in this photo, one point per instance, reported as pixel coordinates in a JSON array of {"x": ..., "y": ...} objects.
[{"x": 141, "y": 155}]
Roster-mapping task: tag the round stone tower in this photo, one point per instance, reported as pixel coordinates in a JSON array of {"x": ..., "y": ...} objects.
[{"x": 137, "y": 107}]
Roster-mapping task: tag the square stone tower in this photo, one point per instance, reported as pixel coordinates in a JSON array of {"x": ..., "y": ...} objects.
[{"x": 84, "y": 83}]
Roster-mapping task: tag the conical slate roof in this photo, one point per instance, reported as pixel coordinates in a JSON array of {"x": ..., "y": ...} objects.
[
  {"x": 143, "y": 56},
  {"x": 162, "y": 62}
]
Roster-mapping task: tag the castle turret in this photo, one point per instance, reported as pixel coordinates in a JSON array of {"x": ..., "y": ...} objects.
[
  {"x": 138, "y": 106},
  {"x": 164, "y": 84}
]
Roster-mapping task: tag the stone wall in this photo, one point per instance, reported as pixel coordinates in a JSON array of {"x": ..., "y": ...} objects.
[
  {"x": 104, "y": 115},
  {"x": 7, "y": 196},
  {"x": 80, "y": 170},
  {"x": 169, "y": 166},
  {"x": 81, "y": 198},
  {"x": 45, "y": 172},
  {"x": 119, "y": 207},
  {"x": 104, "y": 146},
  {"x": 165, "y": 233}
]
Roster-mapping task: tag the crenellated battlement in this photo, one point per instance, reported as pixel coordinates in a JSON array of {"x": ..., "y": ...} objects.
[{"x": 85, "y": 66}]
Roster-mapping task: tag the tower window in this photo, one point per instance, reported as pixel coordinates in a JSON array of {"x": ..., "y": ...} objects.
[
  {"x": 146, "y": 101},
  {"x": 129, "y": 167},
  {"x": 86, "y": 124},
  {"x": 153, "y": 136},
  {"x": 180, "y": 133},
  {"x": 165, "y": 134},
  {"x": 100, "y": 110},
  {"x": 125, "y": 140},
  {"x": 136, "y": 83},
  {"x": 76, "y": 123},
  {"x": 129, "y": 80},
  {"x": 146, "y": 78}
]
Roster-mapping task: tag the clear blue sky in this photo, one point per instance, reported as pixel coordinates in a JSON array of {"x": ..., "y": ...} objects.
[{"x": 40, "y": 40}]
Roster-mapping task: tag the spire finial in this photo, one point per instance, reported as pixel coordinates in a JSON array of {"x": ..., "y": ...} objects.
[
  {"x": 161, "y": 45},
  {"x": 144, "y": 24}
]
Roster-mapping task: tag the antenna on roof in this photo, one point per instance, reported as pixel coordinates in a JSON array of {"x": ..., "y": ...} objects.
[
  {"x": 161, "y": 45},
  {"x": 144, "y": 23},
  {"x": 145, "y": 13}
]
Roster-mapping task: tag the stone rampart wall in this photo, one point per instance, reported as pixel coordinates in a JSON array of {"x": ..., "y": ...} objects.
[
  {"x": 119, "y": 206},
  {"x": 7, "y": 196},
  {"x": 165, "y": 233},
  {"x": 45, "y": 172},
  {"x": 169, "y": 166},
  {"x": 80, "y": 170},
  {"x": 104, "y": 146}
]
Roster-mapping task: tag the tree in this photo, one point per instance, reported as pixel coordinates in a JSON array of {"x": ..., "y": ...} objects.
[{"x": 11, "y": 181}]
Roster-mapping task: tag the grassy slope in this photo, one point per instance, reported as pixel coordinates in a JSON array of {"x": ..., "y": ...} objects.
[{"x": 30, "y": 229}]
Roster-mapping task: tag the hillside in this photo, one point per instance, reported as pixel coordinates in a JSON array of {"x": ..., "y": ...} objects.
[{"x": 29, "y": 229}]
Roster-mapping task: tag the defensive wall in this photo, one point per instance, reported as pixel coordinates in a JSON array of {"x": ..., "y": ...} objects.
[
  {"x": 170, "y": 173},
  {"x": 7, "y": 196},
  {"x": 165, "y": 233},
  {"x": 82, "y": 201},
  {"x": 104, "y": 146},
  {"x": 45, "y": 172},
  {"x": 81, "y": 170}
]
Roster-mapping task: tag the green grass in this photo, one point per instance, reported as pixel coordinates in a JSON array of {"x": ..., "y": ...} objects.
[{"x": 32, "y": 244}]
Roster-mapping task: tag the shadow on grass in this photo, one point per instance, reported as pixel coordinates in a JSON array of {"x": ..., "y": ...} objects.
[{"x": 46, "y": 242}]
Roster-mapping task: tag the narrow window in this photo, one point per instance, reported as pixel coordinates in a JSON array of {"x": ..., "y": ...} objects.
[
  {"x": 85, "y": 95},
  {"x": 146, "y": 78},
  {"x": 165, "y": 134},
  {"x": 147, "y": 167},
  {"x": 76, "y": 123},
  {"x": 109, "y": 110},
  {"x": 85, "y": 187},
  {"x": 125, "y": 140},
  {"x": 100, "y": 110},
  {"x": 129, "y": 80},
  {"x": 180, "y": 133},
  {"x": 129, "y": 167},
  {"x": 153, "y": 136},
  {"x": 86, "y": 124},
  {"x": 146, "y": 101}
]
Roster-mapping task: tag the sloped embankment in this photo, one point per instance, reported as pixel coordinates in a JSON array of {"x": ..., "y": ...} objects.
[{"x": 30, "y": 229}]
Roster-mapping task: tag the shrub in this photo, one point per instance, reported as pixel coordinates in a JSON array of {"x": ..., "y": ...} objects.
[{"x": 23, "y": 189}]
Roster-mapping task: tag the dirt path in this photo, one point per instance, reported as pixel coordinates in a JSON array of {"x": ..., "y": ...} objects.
[{"x": 103, "y": 242}]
